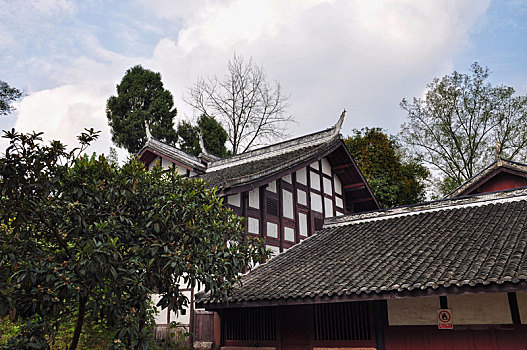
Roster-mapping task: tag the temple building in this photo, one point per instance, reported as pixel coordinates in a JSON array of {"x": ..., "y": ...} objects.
[
  {"x": 285, "y": 190},
  {"x": 448, "y": 274}
]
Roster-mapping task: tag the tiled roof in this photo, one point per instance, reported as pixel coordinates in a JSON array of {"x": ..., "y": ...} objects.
[
  {"x": 471, "y": 241},
  {"x": 500, "y": 163},
  {"x": 173, "y": 153},
  {"x": 262, "y": 162},
  {"x": 254, "y": 170}
]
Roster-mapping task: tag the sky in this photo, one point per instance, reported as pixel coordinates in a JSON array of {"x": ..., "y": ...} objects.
[{"x": 364, "y": 56}]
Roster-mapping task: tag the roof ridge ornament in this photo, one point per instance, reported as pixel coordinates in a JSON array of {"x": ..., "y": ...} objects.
[
  {"x": 147, "y": 130},
  {"x": 205, "y": 155},
  {"x": 338, "y": 125}
]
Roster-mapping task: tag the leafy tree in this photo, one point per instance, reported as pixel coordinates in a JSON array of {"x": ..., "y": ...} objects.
[
  {"x": 213, "y": 134},
  {"x": 394, "y": 180},
  {"x": 247, "y": 106},
  {"x": 8, "y": 94},
  {"x": 464, "y": 122},
  {"x": 83, "y": 237},
  {"x": 141, "y": 101}
]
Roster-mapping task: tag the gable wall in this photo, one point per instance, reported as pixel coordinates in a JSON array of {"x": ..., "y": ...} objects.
[
  {"x": 290, "y": 209},
  {"x": 502, "y": 181}
]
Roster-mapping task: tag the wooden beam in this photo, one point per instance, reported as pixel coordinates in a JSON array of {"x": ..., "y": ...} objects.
[
  {"x": 452, "y": 290},
  {"x": 343, "y": 166},
  {"x": 354, "y": 188},
  {"x": 361, "y": 200},
  {"x": 355, "y": 185}
]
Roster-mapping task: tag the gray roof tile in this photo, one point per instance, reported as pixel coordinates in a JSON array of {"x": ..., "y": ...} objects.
[{"x": 465, "y": 242}]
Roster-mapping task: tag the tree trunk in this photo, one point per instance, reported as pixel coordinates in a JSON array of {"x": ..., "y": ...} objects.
[{"x": 78, "y": 326}]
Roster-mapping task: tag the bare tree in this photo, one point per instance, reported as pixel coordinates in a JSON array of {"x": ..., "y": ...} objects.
[{"x": 251, "y": 110}]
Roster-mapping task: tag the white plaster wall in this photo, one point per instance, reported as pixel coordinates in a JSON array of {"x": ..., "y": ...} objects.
[
  {"x": 469, "y": 309},
  {"x": 314, "y": 178},
  {"x": 153, "y": 163},
  {"x": 316, "y": 202},
  {"x": 289, "y": 234},
  {"x": 491, "y": 308},
  {"x": 302, "y": 224},
  {"x": 271, "y": 186},
  {"x": 234, "y": 199},
  {"x": 301, "y": 176},
  {"x": 287, "y": 178},
  {"x": 328, "y": 207},
  {"x": 182, "y": 319},
  {"x": 166, "y": 164},
  {"x": 254, "y": 198},
  {"x": 301, "y": 196},
  {"x": 161, "y": 317},
  {"x": 275, "y": 250},
  {"x": 287, "y": 205},
  {"x": 272, "y": 230},
  {"x": 339, "y": 213},
  {"x": 326, "y": 167},
  {"x": 338, "y": 184},
  {"x": 339, "y": 203},
  {"x": 328, "y": 187},
  {"x": 314, "y": 165},
  {"x": 522, "y": 305},
  {"x": 253, "y": 225},
  {"x": 413, "y": 311}
]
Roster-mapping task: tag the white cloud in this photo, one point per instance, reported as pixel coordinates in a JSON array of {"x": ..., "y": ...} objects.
[{"x": 364, "y": 56}]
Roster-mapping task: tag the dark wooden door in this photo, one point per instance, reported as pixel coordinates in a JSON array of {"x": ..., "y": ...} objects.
[{"x": 294, "y": 327}]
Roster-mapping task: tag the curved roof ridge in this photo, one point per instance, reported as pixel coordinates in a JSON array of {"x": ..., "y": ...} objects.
[
  {"x": 442, "y": 204},
  {"x": 319, "y": 137}
]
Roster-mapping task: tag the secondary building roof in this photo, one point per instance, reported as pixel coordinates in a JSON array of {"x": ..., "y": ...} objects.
[
  {"x": 431, "y": 248},
  {"x": 500, "y": 175}
]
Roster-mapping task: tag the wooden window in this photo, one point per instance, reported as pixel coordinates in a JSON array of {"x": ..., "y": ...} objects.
[
  {"x": 250, "y": 324},
  {"x": 342, "y": 321},
  {"x": 272, "y": 206}
]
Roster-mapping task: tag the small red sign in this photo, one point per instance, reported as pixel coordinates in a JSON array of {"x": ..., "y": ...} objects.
[{"x": 444, "y": 319}]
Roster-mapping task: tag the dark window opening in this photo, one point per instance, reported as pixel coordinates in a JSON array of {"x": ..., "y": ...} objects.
[
  {"x": 318, "y": 224},
  {"x": 252, "y": 324},
  {"x": 342, "y": 321},
  {"x": 272, "y": 206}
]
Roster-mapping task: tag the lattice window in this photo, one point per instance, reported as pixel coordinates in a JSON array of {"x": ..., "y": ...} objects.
[
  {"x": 251, "y": 324},
  {"x": 272, "y": 206},
  {"x": 342, "y": 321}
]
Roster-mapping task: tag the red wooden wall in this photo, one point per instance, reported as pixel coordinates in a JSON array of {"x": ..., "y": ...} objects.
[
  {"x": 431, "y": 338},
  {"x": 502, "y": 181}
]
